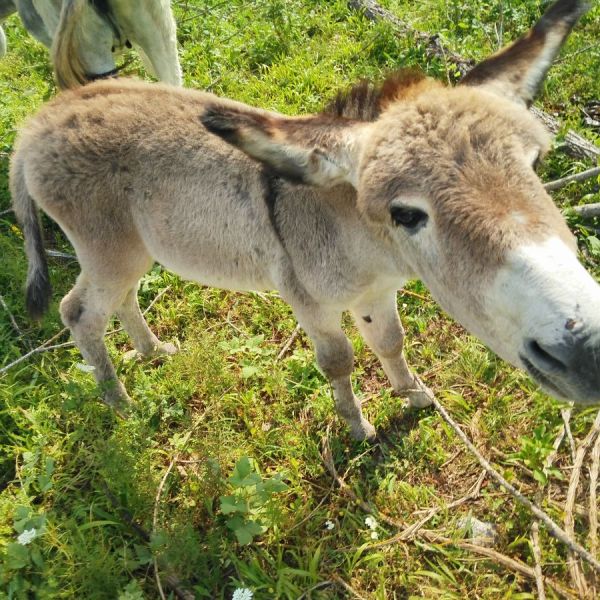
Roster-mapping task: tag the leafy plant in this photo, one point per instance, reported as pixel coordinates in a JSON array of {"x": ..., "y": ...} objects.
[
  {"x": 534, "y": 451},
  {"x": 249, "y": 508}
]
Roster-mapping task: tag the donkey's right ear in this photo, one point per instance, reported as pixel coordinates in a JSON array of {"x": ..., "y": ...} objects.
[
  {"x": 518, "y": 71},
  {"x": 266, "y": 138}
]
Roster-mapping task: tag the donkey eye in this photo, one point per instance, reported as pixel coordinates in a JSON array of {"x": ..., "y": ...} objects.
[{"x": 410, "y": 218}]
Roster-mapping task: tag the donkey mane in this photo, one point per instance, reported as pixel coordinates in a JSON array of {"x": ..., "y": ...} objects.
[{"x": 366, "y": 100}]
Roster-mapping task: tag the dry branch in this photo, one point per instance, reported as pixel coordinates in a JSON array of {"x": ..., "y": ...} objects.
[
  {"x": 574, "y": 568},
  {"x": 560, "y": 183},
  {"x": 554, "y": 529},
  {"x": 433, "y": 45},
  {"x": 46, "y": 347},
  {"x": 588, "y": 211},
  {"x": 432, "y": 536},
  {"x": 577, "y": 145}
]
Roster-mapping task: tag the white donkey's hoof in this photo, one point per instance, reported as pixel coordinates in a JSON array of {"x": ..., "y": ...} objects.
[
  {"x": 363, "y": 431},
  {"x": 419, "y": 396}
]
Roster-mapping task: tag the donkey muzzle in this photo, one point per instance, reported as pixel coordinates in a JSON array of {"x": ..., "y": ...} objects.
[{"x": 569, "y": 369}]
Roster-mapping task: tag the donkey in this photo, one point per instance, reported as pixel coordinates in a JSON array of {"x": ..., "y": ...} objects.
[
  {"x": 85, "y": 35},
  {"x": 335, "y": 210}
]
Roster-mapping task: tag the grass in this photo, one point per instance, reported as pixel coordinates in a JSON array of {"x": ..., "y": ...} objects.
[{"x": 88, "y": 482}]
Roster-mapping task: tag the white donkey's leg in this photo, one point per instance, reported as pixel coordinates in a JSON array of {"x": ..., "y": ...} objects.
[
  {"x": 335, "y": 359},
  {"x": 152, "y": 27},
  {"x": 379, "y": 324},
  {"x": 85, "y": 310},
  {"x": 145, "y": 342}
]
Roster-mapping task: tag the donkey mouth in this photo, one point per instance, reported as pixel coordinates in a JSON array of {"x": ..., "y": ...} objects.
[{"x": 543, "y": 380}]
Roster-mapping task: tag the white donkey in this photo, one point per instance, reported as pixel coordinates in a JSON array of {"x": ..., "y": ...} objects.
[
  {"x": 86, "y": 35},
  {"x": 335, "y": 210}
]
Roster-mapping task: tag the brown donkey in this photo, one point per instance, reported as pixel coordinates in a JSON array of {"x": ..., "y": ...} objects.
[{"x": 336, "y": 211}]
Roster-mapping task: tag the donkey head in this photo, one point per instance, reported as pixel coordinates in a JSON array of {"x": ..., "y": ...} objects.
[{"x": 445, "y": 178}]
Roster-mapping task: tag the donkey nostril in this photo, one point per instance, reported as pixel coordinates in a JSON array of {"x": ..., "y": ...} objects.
[{"x": 543, "y": 358}]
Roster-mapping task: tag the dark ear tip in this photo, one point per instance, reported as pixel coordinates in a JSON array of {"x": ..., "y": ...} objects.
[{"x": 218, "y": 121}]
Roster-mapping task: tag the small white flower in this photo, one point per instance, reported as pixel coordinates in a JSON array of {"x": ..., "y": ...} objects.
[
  {"x": 374, "y": 535},
  {"x": 329, "y": 525},
  {"x": 27, "y": 536},
  {"x": 371, "y": 523},
  {"x": 242, "y": 594}
]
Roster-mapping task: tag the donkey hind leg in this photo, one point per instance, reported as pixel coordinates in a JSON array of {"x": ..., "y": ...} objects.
[
  {"x": 335, "y": 359},
  {"x": 145, "y": 342},
  {"x": 380, "y": 326},
  {"x": 85, "y": 310}
]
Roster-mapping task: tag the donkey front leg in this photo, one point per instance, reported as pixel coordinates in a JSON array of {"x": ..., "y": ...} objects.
[
  {"x": 85, "y": 310},
  {"x": 336, "y": 360},
  {"x": 380, "y": 326}
]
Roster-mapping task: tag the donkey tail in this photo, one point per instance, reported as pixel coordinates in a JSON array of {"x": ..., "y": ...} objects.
[
  {"x": 38, "y": 288},
  {"x": 68, "y": 67}
]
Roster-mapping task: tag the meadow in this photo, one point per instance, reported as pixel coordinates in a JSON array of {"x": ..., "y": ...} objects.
[{"x": 223, "y": 477}]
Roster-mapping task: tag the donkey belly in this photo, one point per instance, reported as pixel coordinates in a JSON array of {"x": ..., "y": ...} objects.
[{"x": 212, "y": 241}]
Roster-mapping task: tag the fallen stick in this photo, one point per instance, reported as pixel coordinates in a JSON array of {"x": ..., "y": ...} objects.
[
  {"x": 432, "y": 536},
  {"x": 554, "y": 529},
  {"x": 574, "y": 568},
  {"x": 577, "y": 177},
  {"x": 588, "y": 211},
  {"x": 46, "y": 348},
  {"x": 577, "y": 145}
]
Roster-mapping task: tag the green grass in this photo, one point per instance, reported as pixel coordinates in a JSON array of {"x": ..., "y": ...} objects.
[{"x": 88, "y": 481}]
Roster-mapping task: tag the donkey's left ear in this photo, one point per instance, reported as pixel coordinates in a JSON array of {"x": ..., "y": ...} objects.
[
  {"x": 518, "y": 71},
  {"x": 266, "y": 138}
]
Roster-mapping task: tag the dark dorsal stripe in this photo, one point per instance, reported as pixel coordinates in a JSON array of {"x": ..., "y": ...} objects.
[{"x": 271, "y": 185}]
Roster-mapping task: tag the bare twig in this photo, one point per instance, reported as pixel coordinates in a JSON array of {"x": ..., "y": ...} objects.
[
  {"x": 45, "y": 347},
  {"x": 566, "y": 413},
  {"x": 157, "y": 499},
  {"x": 577, "y": 145},
  {"x": 433, "y": 45},
  {"x": 587, "y": 211},
  {"x": 535, "y": 528},
  {"x": 404, "y": 292},
  {"x": 155, "y": 523},
  {"x": 172, "y": 581},
  {"x": 501, "y": 559},
  {"x": 593, "y": 533},
  {"x": 314, "y": 588},
  {"x": 434, "y": 537},
  {"x": 289, "y": 343},
  {"x": 574, "y": 568},
  {"x": 347, "y": 587},
  {"x": 537, "y": 557},
  {"x": 560, "y": 183},
  {"x": 13, "y": 322},
  {"x": 557, "y": 531},
  {"x": 57, "y": 254}
]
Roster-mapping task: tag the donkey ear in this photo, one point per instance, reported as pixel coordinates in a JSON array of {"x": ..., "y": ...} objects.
[
  {"x": 265, "y": 138},
  {"x": 518, "y": 71}
]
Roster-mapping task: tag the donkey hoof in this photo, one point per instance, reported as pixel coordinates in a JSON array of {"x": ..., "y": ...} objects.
[
  {"x": 167, "y": 348},
  {"x": 117, "y": 398},
  {"x": 364, "y": 431},
  {"x": 420, "y": 396}
]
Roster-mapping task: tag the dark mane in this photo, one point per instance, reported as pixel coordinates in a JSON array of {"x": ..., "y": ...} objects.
[{"x": 365, "y": 100}]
